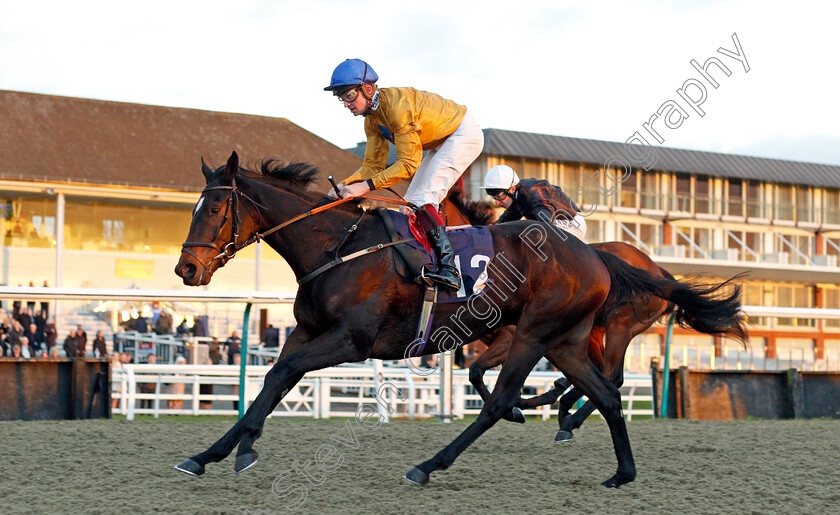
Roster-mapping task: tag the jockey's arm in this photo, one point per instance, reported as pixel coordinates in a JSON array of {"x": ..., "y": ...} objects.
[
  {"x": 511, "y": 214},
  {"x": 376, "y": 157}
]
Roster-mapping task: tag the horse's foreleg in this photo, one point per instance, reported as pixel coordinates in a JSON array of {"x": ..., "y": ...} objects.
[{"x": 326, "y": 350}]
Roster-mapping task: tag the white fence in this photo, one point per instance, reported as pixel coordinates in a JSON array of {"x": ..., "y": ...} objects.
[{"x": 332, "y": 392}]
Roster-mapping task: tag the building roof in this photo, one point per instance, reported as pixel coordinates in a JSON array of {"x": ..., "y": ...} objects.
[
  {"x": 66, "y": 139},
  {"x": 543, "y": 146}
]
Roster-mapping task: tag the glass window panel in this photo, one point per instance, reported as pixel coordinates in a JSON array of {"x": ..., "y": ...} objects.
[
  {"x": 27, "y": 222},
  {"x": 702, "y": 203},
  {"x": 804, "y": 207},
  {"x": 628, "y": 190},
  {"x": 754, "y": 205},
  {"x": 649, "y": 192},
  {"x": 736, "y": 199},
  {"x": 831, "y": 206},
  {"x": 784, "y": 202}
]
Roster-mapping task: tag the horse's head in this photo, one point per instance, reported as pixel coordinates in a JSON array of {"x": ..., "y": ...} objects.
[{"x": 222, "y": 219}]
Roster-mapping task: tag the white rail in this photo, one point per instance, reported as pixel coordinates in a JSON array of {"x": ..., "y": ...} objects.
[{"x": 332, "y": 392}]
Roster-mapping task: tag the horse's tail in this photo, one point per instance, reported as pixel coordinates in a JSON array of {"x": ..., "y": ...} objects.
[{"x": 708, "y": 308}]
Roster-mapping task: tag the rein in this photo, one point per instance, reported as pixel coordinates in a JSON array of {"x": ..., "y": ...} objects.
[{"x": 227, "y": 252}]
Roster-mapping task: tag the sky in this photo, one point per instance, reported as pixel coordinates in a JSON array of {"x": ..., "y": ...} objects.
[{"x": 597, "y": 70}]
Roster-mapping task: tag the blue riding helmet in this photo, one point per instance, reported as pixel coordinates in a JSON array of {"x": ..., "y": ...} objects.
[{"x": 352, "y": 72}]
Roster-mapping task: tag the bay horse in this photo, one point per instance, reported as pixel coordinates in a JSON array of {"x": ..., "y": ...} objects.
[
  {"x": 364, "y": 309},
  {"x": 619, "y": 329}
]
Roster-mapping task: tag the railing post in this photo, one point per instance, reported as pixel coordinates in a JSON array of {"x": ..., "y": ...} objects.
[
  {"x": 243, "y": 362},
  {"x": 666, "y": 372}
]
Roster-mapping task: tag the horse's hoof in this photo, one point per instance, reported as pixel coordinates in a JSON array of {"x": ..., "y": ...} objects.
[
  {"x": 190, "y": 467},
  {"x": 245, "y": 461},
  {"x": 563, "y": 436},
  {"x": 517, "y": 416},
  {"x": 417, "y": 476},
  {"x": 618, "y": 479}
]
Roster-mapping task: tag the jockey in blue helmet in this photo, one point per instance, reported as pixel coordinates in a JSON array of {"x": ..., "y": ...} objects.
[{"x": 413, "y": 121}]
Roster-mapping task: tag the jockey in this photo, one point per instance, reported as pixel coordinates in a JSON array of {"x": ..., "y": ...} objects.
[
  {"x": 413, "y": 121},
  {"x": 534, "y": 199}
]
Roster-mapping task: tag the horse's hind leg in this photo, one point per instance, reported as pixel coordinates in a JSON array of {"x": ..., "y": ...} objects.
[
  {"x": 606, "y": 397},
  {"x": 514, "y": 372}
]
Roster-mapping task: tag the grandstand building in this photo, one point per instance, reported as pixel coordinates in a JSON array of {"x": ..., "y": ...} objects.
[
  {"x": 99, "y": 194},
  {"x": 708, "y": 213}
]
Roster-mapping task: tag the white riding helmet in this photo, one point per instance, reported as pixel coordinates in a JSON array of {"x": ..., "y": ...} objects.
[{"x": 500, "y": 177}]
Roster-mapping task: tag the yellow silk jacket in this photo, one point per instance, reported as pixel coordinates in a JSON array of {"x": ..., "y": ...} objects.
[{"x": 413, "y": 121}]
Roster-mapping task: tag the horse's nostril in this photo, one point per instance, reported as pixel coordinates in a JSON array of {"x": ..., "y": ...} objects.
[{"x": 187, "y": 270}]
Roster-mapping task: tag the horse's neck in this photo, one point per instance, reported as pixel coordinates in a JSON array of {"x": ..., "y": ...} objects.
[{"x": 303, "y": 244}]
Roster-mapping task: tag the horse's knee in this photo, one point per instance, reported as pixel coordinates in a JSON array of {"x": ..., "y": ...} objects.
[{"x": 476, "y": 373}]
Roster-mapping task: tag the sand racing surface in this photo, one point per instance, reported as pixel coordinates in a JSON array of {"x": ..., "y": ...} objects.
[{"x": 111, "y": 466}]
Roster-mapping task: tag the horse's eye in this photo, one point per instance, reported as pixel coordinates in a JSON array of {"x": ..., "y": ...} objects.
[{"x": 214, "y": 210}]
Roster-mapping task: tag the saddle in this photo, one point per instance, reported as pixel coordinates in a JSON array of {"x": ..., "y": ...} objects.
[{"x": 473, "y": 247}]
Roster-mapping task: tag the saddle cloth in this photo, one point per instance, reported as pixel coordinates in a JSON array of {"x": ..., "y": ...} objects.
[{"x": 473, "y": 250}]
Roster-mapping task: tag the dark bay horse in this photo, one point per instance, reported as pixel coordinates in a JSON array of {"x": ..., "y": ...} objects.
[
  {"x": 619, "y": 328},
  {"x": 364, "y": 309}
]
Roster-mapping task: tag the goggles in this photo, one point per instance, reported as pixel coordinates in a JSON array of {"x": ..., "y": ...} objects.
[{"x": 349, "y": 96}]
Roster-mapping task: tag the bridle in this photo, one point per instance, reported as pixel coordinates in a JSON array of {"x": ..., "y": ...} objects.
[
  {"x": 230, "y": 249},
  {"x": 227, "y": 252}
]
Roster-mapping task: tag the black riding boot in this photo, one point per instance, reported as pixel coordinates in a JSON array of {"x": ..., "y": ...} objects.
[{"x": 447, "y": 273}]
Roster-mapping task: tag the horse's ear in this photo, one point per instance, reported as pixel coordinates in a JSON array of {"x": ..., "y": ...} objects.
[
  {"x": 232, "y": 164},
  {"x": 205, "y": 170}
]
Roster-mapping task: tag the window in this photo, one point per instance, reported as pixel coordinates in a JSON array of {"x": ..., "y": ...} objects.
[
  {"x": 735, "y": 196},
  {"x": 649, "y": 191},
  {"x": 784, "y": 202},
  {"x": 97, "y": 226},
  {"x": 27, "y": 222},
  {"x": 795, "y": 297},
  {"x": 682, "y": 200},
  {"x": 831, "y": 206},
  {"x": 753, "y": 201},
  {"x": 804, "y": 207},
  {"x": 628, "y": 190},
  {"x": 702, "y": 202}
]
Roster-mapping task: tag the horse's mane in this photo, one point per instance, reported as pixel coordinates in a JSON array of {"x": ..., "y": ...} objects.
[
  {"x": 301, "y": 174},
  {"x": 478, "y": 212}
]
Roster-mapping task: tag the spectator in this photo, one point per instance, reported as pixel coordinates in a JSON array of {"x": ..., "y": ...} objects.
[
  {"x": 54, "y": 352},
  {"x": 50, "y": 334},
  {"x": 81, "y": 341},
  {"x": 36, "y": 341},
  {"x": 71, "y": 345},
  {"x": 198, "y": 328},
  {"x": 100, "y": 348},
  {"x": 271, "y": 336},
  {"x": 233, "y": 345},
  {"x": 215, "y": 351},
  {"x": 182, "y": 331},
  {"x": 163, "y": 325},
  {"x": 40, "y": 322},
  {"x": 24, "y": 319},
  {"x": 140, "y": 325},
  {"x": 16, "y": 352},
  {"x": 24, "y": 348}
]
